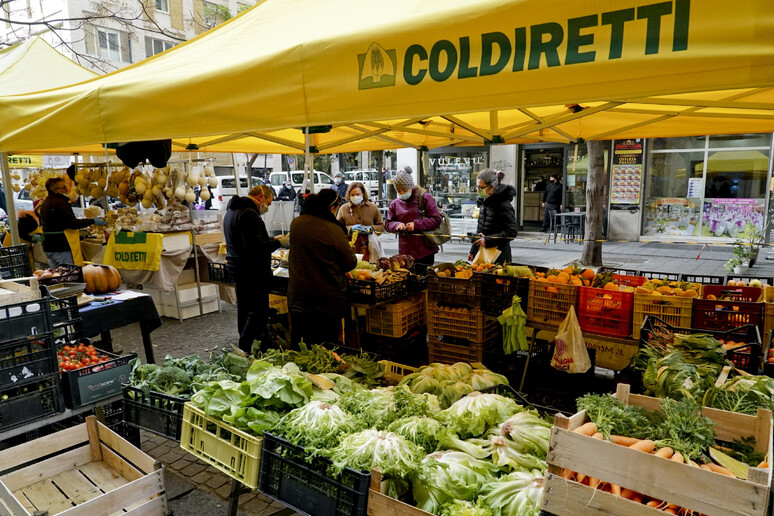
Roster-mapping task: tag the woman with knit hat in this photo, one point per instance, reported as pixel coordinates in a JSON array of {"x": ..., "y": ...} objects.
[{"x": 413, "y": 212}]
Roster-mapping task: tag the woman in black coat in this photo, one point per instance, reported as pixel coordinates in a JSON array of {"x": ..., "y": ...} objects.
[{"x": 496, "y": 217}]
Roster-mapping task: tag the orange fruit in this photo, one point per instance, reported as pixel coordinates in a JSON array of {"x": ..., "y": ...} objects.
[
  {"x": 552, "y": 289},
  {"x": 542, "y": 279},
  {"x": 564, "y": 276},
  {"x": 568, "y": 270},
  {"x": 611, "y": 286},
  {"x": 588, "y": 274},
  {"x": 576, "y": 281},
  {"x": 552, "y": 279}
]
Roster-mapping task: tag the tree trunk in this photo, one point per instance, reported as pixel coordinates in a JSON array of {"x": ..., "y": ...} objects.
[
  {"x": 249, "y": 170},
  {"x": 595, "y": 205}
]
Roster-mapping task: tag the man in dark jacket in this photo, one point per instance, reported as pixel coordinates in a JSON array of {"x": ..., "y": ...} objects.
[
  {"x": 340, "y": 186},
  {"x": 320, "y": 256},
  {"x": 497, "y": 217},
  {"x": 552, "y": 201},
  {"x": 286, "y": 193},
  {"x": 540, "y": 186},
  {"x": 57, "y": 217},
  {"x": 248, "y": 258}
]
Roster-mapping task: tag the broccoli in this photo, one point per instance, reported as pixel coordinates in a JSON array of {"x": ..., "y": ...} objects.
[{"x": 172, "y": 380}]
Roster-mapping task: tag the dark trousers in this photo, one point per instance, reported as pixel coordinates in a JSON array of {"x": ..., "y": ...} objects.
[
  {"x": 314, "y": 328},
  {"x": 252, "y": 312},
  {"x": 426, "y": 260},
  {"x": 548, "y": 215}
]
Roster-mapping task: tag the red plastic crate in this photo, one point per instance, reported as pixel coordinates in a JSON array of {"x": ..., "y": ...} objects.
[
  {"x": 605, "y": 312},
  {"x": 751, "y": 294},
  {"x": 725, "y": 315},
  {"x": 631, "y": 281}
]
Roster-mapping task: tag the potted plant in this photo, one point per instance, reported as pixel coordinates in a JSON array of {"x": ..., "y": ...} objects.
[{"x": 736, "y": 265}]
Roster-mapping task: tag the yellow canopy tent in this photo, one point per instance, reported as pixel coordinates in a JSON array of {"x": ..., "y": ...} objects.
[
  {"x": 34, "y": 66},
  {"x": 427, "y": 73}
]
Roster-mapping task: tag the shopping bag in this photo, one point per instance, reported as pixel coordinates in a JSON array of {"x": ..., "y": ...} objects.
[
  {"x": 374, "y": 248},
  {"x": 570, "y": 353},
  {"x": 486, "y": 255}
]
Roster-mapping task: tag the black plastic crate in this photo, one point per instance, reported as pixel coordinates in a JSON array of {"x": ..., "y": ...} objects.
[
  {"x": 30, "y": 402},
  {"x": 63, "y": 310},
  {"x": 26, "y": 319},
  {"x": 69, "y": 334},
  {"x": 219, "y": 273},
  {"x": 15, "y": 262},
  {"x": 67, "y": 274},
  {"x": 670, "y": 276},
  {"x": 747, "y": 358},
  {"x": 289, "y": 475},
  {"x": 96, "y": 382},
  {"x": 497, "y": 293},
  {"x": 766, "y": 280},
  {"x": 156, "y": 412},
  {"x": 452, "y": 290},
  {"x": 26, "y": 360},
  {"x": 705, "y": 279},
  {"x": 623, "y": 272},
  {"x": 519, "y": 397},
  {"x": 370, "y": 292},
  {"x": 410, "y": 349}
]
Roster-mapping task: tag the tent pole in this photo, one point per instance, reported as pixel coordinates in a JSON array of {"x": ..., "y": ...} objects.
[
  {"x": 308, "y": 167},
  {"x": 9, "y": 199},
  {"x": 236, "y": 176}
]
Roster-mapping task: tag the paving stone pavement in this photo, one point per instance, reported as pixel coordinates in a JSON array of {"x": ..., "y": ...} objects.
[{"x": 204, "y": 334}]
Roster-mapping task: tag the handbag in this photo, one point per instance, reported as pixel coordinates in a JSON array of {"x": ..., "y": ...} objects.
[{"x": 442, "y": 233}]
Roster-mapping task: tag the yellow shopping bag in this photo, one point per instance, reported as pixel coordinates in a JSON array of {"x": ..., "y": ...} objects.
[{"x": 134, "y": 251}]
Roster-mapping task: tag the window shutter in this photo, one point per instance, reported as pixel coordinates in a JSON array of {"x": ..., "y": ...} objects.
[
  {"x": 126, "y": 47},
  {"x": 89, "y": 38},
  {"x": 148, "y": 46}
]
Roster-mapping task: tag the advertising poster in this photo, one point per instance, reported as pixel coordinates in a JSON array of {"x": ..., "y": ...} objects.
[
  {"x": 672, "y": 216},
  {"x": 626, "y": 179},
  {"x": 734, "y": 218}
]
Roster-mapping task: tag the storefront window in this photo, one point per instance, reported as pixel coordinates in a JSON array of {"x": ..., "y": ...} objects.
[
  {"x": 452, "y": 178},
  {"x": 577, "y": 173},
  {"x": 717, "y": 192},
  {"x": 674, "y": 193}
]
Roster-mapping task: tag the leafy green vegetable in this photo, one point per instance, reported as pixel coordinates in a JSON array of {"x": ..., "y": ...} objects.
[
  {"x": 380, "y": 407},
  {"x": 508, "y": 454},
  {"x": 235, "y": 364},
  {"x": 743, "y": 450},
  {"x": 420, "y": 430},
  {"x": 517, "y": 493},
  {"x": 218, "y": 398},
  {"x": 252, "y": 419},
  {"x": 613, "y": 417},
  {"x": 743, "y": 394},
  {"x": 529, "y": 432},
  {"x": 317, "y": 425},
  {"x": 673, "y": 376},
  {"x": 465, "y": 508},
  {"x": 278, "y": 388},
  {"x": 451, "y": 382},
  {"x": 473, "y": 414},
  {"x": 685, "y": 429},
  {"x": 397, "y": 458},
  {"x": 450, "y": 475},
  {"x": 172, "y": 380}
]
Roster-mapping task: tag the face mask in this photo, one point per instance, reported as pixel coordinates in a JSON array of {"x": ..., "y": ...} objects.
[
  {"x": 356, "y": 199},
  {"x": 482, "y": 194},
  {"x": 263, "y": 210},
  {"x": 337, "y": 180},
  {"x": 406, "y": 196}
]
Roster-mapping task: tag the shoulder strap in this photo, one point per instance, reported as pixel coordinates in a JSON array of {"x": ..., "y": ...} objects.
[{"x": 421, "y": 205}]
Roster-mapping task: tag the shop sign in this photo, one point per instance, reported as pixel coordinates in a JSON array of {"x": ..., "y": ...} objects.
[
  {"x": 685, "y": 202},
  {"x": 595, "y": 37},
  {"x": 19, "y": 161},
  {"x": 626, "y": 180}
]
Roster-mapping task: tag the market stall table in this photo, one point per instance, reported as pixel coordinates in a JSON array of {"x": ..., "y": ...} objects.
[{"x": 119, "y": 310}]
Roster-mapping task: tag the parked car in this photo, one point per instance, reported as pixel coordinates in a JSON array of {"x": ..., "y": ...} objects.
[
  {"x": 22, "y": 201},
  {"x": 226, "y": 189},
  {"x": 277, "y": 179},
  {"x": 369, "y": 178}
]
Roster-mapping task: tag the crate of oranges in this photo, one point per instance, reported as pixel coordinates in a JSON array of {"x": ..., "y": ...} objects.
[
  {"x": 670, "y": 301},
  {"x": 605, "y": 306},
  {"x": 552, "y": 293}
]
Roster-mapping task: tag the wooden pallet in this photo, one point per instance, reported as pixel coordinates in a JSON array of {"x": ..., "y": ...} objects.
[
  {"x": 102, "y": 474},
  {"x": 687, "y": 486}
]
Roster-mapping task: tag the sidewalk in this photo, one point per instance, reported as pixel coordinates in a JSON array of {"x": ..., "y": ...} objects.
[{"x": 201, "y": 489}]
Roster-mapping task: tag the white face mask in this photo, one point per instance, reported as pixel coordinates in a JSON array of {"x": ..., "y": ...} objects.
[
  {"x": 264, "y": 209},
  {"x": 356, "y": 199},
  {"x": 337, "y": 180},
  {"x": 406, "y": 196}
]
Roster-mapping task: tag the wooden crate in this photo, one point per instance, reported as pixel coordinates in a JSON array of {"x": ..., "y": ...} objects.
[
  {"x": 103, "y": 474},
  {"x": 12, "y": 292},
  {"x": 687, "y": 486},
  {"x": 379, "y": 504}
]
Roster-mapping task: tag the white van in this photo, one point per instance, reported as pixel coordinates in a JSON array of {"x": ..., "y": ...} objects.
[
  {"x": 277, "y": 179},
  {"x": 369, "y": 178},
  {"x": 226, "y": 189}
]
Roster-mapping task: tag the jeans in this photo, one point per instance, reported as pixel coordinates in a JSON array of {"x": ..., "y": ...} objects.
[
  {"x": 59, "y": 257},
  {"x": 548, "y": 216}
]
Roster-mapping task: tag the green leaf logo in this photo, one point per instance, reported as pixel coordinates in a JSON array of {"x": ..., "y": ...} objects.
[{"x": 376, "y": 67}]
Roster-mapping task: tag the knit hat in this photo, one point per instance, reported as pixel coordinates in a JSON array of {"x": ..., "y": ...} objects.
[
  {"x": 403, "y": 180},
  {"x": 339, "y": 174}
]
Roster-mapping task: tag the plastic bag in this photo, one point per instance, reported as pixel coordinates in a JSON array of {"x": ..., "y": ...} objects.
[
  {"x": 570, "y": 353},
  {"x": 374, "y": 248}
]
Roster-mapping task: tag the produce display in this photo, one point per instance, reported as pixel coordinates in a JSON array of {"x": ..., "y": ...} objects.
[
  {"x": 71, "y": 358},
  {"x": 396, "y": 262},
  {"x": 578, "y": 277},
  {"x": 180, "y": 377},
  {"x": 679, "y": 432},
  {"x": 657, "y": 287},
  {"x": 451, "y": 382},
  {"x": 54, "y": 272}
]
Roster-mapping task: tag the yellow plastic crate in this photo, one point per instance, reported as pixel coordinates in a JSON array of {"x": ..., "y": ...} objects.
[
  {"x": 396, "y": 319},
  {"x": 548, "y": 303},
  {"x": 234, "y": 452},
  {"x": 395, "y": 372},
  {"x": 673, "y": 310}
]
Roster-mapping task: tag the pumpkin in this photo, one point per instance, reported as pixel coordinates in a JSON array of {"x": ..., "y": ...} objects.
[{"x": 101, "y": 279}]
